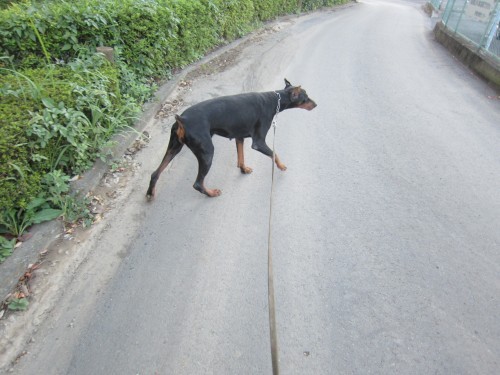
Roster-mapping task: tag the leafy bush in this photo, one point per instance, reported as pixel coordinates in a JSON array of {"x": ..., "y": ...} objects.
[
  {"x": 155, "y": 36},
  {"x": 194, "y": 34},
  {"x": 16, "y": 221},
  {"x": 235, "y": 18},
  {"x": 59, "y": 31},
  {"x": 71, "y": 134},
  {"x": 145, "y": 31},
  {"x": 267, "y": 10},
  {"x": 57, "y": 118},
  {"x": 19, "y": 182}
]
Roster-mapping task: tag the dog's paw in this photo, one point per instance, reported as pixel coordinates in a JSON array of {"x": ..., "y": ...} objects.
[
  {"x": 246, "y": 170},
  {"x": 213, "y": 192},
  {"x": 150, "y": 196}
]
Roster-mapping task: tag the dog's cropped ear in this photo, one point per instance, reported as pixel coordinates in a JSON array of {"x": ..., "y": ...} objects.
[
  {"x": 295, "y": 93},
  {"x": 287, "y": 84}
]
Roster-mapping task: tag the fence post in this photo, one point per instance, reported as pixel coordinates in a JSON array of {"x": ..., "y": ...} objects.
[
  {"x": 460, "y": 17},
  {"x": 492, "y": 27},
  {"x": 447, "y": 11}
]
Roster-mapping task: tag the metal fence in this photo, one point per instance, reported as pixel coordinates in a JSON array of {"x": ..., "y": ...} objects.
[{"x": 476, "y": 20}]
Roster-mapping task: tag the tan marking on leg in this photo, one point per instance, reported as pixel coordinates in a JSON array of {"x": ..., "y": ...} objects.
[
  {"x": 241, "y": 159},
  {"x": 181, "y": 132},
  {"x": 279, "y": 164}
]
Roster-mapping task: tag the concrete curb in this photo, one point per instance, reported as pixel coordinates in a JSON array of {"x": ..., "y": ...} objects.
[{"x": 485, "y": 66}]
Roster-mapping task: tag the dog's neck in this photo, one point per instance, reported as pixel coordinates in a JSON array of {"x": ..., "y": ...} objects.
[{"x": 284, "y": 99}]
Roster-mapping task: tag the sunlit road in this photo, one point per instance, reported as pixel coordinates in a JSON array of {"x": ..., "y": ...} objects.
[{"x": 386, "y": 229}]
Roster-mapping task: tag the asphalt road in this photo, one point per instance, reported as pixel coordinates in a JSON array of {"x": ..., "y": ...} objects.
[{"x": 385, "y": 229}]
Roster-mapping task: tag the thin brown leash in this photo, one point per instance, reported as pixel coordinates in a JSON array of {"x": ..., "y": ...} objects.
[{"x": 270, "y": 278}]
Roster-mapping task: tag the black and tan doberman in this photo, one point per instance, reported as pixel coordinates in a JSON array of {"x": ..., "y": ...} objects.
[{"x": 240, "y": 116}]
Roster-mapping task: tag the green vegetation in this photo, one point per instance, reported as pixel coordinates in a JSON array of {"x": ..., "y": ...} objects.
[
  {"x": 18, "y": 304},
  {"x": 6, "y": 247},
  {"x": 61, "y": 102}
]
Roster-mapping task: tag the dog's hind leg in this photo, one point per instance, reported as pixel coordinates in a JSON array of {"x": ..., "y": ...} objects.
[
  {"x": 205, "y": 156},
  {"x": 241, "y": 158},
  {"x": 174, "y": 147}
]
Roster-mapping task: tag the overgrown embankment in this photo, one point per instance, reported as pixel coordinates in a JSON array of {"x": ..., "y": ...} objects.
[{"x": 61, "y": 102}]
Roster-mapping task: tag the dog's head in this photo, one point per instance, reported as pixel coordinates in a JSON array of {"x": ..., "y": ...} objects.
[{"x": 298, "y": 97}]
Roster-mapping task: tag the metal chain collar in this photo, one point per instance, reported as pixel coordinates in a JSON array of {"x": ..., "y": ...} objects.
[{"x": 277, "y": 108}]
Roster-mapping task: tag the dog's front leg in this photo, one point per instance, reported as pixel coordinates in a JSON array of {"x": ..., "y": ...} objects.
[
  {"x": 241, "y": 158},
  {"x": 264, "y": 148}
]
